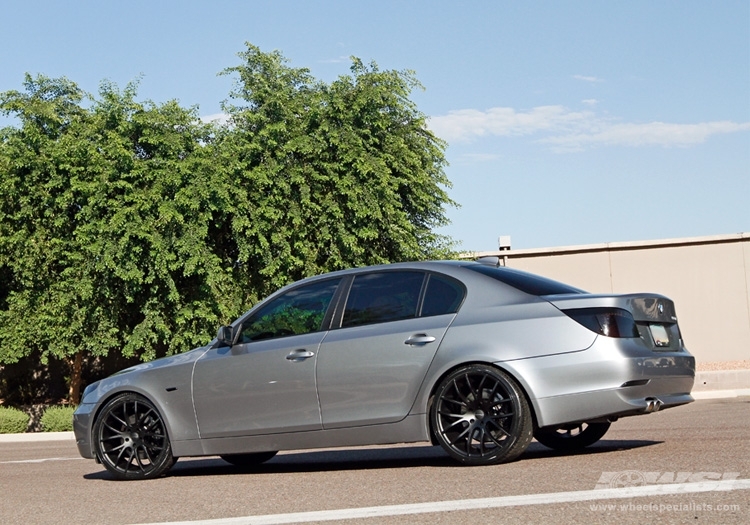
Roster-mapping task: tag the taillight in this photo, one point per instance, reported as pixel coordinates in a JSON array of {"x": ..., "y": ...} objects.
[{"x": 611, "y": 322}]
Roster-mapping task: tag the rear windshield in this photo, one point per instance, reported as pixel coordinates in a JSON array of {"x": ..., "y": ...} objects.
[{"x": 526, "y": 282}]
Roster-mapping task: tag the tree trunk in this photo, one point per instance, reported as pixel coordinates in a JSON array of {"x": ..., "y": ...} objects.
[{"x": 76, "y": 365}]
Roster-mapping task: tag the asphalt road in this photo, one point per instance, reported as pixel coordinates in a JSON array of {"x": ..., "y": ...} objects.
[{"x": 657, "y": 462}]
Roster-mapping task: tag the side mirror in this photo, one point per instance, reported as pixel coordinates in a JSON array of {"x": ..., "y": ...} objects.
[{"x": 225, "y": 336}]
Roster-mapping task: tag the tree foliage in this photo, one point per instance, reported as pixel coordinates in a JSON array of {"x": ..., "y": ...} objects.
[
  {"x": 329, "y": 176},
  {"x": 104, "y": 220},
  {"x": 132, "y": 227}
]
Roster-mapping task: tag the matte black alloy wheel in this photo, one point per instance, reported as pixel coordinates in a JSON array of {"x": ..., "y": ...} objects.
[
  {"x": 574, "y": 436},
  {"x": 480, "y": 416},
  {"x": 252, "y": 459},
  {"x": 131, "y": 438}
]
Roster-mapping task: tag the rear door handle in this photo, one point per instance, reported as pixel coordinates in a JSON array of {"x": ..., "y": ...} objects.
[
  {"x": 300, "y": 355},
  {"x": 419, "y": 340}
]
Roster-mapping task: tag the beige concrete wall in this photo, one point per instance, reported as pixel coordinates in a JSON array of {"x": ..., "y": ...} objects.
[{"x": 708, "y": 278}]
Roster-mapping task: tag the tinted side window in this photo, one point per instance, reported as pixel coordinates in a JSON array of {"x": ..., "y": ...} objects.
[
  {"x": 299, "y": 311},
  {"x": 443, "y": 296},
  {"x": 382, "y": 297}
]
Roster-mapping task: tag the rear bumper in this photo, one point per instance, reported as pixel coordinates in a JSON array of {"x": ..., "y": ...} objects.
[
  {"x": 613, "y": 378},
  {"x": 603, "y": 404}
]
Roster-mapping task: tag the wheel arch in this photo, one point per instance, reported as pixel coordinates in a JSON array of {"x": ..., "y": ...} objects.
[
  {"x": 131, "y": 443},
  {"x": 109, "y": 396},
  {"x": 439, "y": 379}
]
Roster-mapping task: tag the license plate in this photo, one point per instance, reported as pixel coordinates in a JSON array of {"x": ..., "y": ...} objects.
[{"x": 659, "y": 334}]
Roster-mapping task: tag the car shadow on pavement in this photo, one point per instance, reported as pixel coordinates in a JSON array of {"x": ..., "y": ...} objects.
[
  {"x": 537, "y": 450},
  {"x": 364, "y": 459}
]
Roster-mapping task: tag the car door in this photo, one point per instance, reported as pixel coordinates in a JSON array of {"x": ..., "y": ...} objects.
[
  {"x": 370, "y": 369},
  {"x": 265, "y": 383}
]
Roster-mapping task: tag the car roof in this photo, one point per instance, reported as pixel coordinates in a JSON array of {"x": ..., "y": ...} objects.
[{"x": 411, "y": 265}]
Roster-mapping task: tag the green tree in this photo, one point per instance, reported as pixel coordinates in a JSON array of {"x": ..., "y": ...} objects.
[
  {"x": 328, "y": 176},
  {"x": 106, "y": 214}
]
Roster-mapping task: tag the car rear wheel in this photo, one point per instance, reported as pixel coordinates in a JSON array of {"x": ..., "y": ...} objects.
[
  {"x": 248, "y": 460},
  {"x": 574, "y": 436},
  {"x": 480, "y": 416},
  {"x": 131, "y": 438}
]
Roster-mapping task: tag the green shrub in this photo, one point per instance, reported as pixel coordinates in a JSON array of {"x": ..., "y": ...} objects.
[
  {"x": 13, "y": 421},
  {"x": 58, "y": 419}
]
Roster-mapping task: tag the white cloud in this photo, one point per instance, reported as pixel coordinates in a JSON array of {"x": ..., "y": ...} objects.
[
  {"x": 568, "y": 130},
  {"x": 590, "y": 101},
  {"x": 465, "y": 124},
  {"x": 648, "y": 134},
  {"x": 587, "y": 78},
  {"x": 218, "y": 118}
]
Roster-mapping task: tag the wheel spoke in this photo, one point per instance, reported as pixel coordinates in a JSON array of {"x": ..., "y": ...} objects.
[
  {"x": 449, "y": 427},
  {"x": 458, "y": 437},
  {"x": 460, "y": 394},
  {"x": 478, "y": 394},
  {"x": 455, "y": 402},
  {"x": 145, "y": 452},
  {"x": 504, "y": 415},
  {"x": 502, "y": 430},
  {"x": 122, "y": 450},
  {"x": 482, "y": 432},
  {"x": 474, "y": 392},
  {"x": 451, "y": 414},
  {"x": 123, "y": 423},
  {"x": 470, "y": 436},
  {"x": 494, "y": 421},
  {"x": 493, "y": 391},
  {"x": 144, "y": 416}
]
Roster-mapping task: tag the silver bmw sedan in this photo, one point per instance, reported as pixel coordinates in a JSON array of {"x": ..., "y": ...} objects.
[{"x": 475, "y": 358}]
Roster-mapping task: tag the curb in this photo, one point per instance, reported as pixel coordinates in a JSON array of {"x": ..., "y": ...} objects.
[
  {"x": 37, "y": 436},
  {"x": 719, "y": 380},
  {"x": 720, "y": 394}
]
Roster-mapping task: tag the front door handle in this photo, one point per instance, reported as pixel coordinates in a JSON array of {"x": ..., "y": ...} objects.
[
  {"x": 300, "y": 355},
  {"x": 419, "y": 340}
]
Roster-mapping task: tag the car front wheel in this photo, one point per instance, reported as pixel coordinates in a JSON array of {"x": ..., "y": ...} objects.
[
  {"x": 480, "y": 416},
  {"x": 131, "y": 438},
  {"x": 574, "y": 436}
]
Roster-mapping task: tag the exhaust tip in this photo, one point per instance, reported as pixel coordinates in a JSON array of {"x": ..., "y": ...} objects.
[{"x": 653, "y": 404}]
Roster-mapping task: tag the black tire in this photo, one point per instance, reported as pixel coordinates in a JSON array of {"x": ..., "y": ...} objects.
[
  {"x": 131, "y": 439},
  {"x": 480, "y": 416},
  {"x": 248, "y": 460},
  {"x": 574, "y": 436}
]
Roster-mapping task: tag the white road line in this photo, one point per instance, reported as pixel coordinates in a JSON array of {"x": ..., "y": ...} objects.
[
  {"x": 42, "y": 460},
  {"x": 474, "y": 504}
]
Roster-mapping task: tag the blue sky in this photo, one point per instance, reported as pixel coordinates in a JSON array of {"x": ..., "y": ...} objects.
[{"x": 568, "y": 123}]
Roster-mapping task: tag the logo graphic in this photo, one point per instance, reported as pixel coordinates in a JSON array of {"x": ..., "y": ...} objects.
[
  {"x": 628, "y": 478},
  {"x": 637, "y": 478}
]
